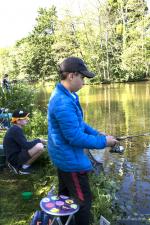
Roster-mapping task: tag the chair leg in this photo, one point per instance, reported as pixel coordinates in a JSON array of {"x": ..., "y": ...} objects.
[{"x": 56, "y": 219}]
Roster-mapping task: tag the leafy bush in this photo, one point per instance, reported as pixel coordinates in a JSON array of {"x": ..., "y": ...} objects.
[
  {"x": 37, "y": 125},
  {"x": 104, "y": 193},
  {"x": 22, "y": 96},
  {"x": 19, "y": 96}
]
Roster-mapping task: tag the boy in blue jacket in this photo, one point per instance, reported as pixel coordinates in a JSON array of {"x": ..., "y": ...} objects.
[{"x": 69, "y": 135}]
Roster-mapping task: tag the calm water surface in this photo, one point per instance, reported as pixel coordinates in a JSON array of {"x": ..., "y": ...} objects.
[{"x": 121, "y": 109}]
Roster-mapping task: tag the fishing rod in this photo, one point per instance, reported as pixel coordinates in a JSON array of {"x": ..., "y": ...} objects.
[
  {"x": 117, "y": 148},
  {"x": 98, "y": 166},
  {"x": 131, "y": 136}
]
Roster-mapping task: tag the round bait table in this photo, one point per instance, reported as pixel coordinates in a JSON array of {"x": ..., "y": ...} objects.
[{"x": 58, "y": 206}]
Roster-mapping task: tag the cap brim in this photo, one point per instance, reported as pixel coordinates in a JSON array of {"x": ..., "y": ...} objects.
[
  {"x": 88, "y": 74},
  {"x": 15, "y": 119},
  {"x": 27, "y": 114},
  {"x": 23, "y": 115}
]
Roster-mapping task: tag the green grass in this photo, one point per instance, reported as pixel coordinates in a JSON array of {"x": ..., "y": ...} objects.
[
  {"x": 13, "y": 209},
  {"x": 16, "y": 211}
]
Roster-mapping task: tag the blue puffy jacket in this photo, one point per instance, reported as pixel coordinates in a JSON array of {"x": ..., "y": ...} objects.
[{"x": 68, "y": 134}]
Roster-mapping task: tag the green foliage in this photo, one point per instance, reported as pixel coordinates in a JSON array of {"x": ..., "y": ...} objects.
[
  {"x": 15, "y": 210},
  {"x": 20, "y": 96},
  {"x": 19, "y": 211},
  {"x": 112, "y": 40},
  {"x": 37, "y": 125},
  {"x": 34, "y": 53},
  {"x": 119, "y": 29},
  {"x": 104, "y": 190},
  {"x": 6, "y": 62}
]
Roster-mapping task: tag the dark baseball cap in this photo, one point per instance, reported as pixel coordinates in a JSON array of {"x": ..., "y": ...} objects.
[
  {"x": 75, "y": 64},
  {"x": 20, "y": 114}
]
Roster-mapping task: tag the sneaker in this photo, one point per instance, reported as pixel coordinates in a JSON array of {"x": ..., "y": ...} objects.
[{"x": 12, "y": 168}]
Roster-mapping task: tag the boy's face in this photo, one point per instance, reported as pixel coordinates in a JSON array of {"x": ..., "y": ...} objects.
[
  {"x": 76, "y": 81},
  {"x": 22, "y": 122}
]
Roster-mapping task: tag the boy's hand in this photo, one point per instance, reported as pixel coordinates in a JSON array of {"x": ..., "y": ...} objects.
[{"x": 111, "y": 141}]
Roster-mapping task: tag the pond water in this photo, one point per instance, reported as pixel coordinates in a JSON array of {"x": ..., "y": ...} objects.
[{"x": 121, "y": 109}]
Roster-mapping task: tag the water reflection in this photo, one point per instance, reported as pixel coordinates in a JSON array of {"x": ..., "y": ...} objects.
[{"x": 121, "y": 109}]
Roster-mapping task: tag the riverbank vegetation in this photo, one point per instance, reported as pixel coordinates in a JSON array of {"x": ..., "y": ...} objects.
[
  {"x": 112, "y": 36},
  {"x": 114, "y": 40},
  {"x": 15, "y": 210}
]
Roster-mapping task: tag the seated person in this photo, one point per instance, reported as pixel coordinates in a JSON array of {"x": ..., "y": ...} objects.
[{"x": 20, "y": 152}]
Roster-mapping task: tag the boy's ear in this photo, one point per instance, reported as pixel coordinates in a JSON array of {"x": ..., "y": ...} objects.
[{"x": 70, "y": 76}]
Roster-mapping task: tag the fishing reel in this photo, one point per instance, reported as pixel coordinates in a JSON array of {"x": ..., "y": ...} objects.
[{"x": 117, "y": 149}]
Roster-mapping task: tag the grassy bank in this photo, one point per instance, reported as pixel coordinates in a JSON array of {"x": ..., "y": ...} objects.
[{"x": 16, "y": 211}]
